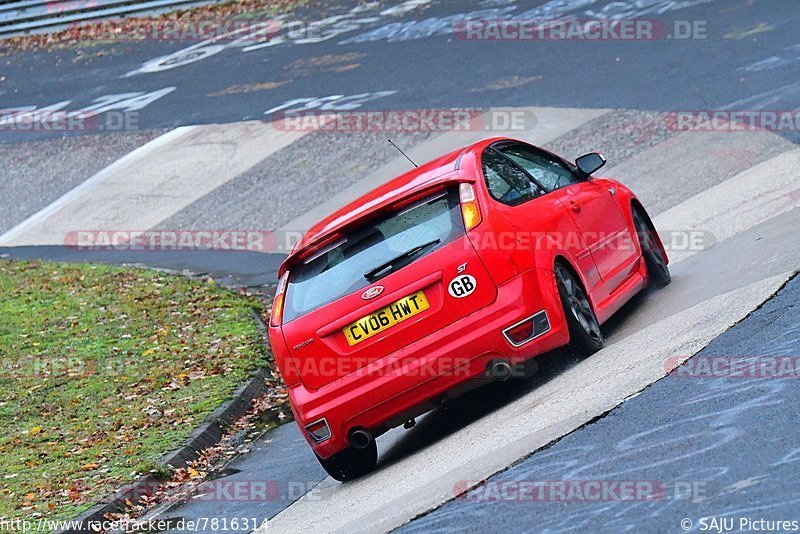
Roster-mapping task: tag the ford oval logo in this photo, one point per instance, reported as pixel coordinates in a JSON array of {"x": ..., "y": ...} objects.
[{"x": 372, "y": 292}]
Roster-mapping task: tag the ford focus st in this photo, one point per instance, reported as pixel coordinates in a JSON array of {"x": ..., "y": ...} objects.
[{"x": 461, "y": 269}]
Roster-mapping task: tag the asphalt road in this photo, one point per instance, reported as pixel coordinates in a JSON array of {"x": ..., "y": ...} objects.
[
  {"x": 718, "y": 446},
  {"x": 742, "y": 55}
]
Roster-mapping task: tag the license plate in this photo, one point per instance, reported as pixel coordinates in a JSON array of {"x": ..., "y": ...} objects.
[{"x": 385, "y": 318}]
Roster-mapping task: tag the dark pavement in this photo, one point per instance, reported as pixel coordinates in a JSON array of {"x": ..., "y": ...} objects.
[
  {"x": 252, "y": 270},
  {"x": 745, "y": 55},
  {"x": 280, "y": 470},
  {"x": 719, "y": 446}
]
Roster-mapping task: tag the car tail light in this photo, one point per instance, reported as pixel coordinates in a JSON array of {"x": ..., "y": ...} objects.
[
  {"x": 318, "y": 431},
  {"x": 527, "y": 329},
  {"x": 470, "y": 211},
  {"x": 277, "y": 304}
]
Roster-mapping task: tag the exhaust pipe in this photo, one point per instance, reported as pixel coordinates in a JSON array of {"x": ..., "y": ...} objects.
[
  {"x": 360, "y": 438},
  {"x": 500, "y": 370}
]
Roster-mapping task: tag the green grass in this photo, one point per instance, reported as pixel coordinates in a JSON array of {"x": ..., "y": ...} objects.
[{"x": 105, "y": 369}]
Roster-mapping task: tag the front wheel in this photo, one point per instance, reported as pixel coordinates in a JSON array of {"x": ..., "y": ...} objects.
[
  {"x": 584, "y": 329},
  {"x": 657, "y": 270},
  {"x": 351, "y": 463}
]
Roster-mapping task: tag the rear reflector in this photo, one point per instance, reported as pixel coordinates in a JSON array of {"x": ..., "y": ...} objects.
[
  {"x": 527, "y": 329},
  {"x": 318, "y": 431},
  {"x": 521, "y": 332}
]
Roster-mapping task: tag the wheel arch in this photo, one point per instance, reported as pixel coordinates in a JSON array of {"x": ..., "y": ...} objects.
[
  {"x": 636, "y": 206},
  {"x": 563, "y": 260}
]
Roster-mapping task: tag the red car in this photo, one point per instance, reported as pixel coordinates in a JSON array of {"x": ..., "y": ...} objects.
[{"x": 461, "y": 269}]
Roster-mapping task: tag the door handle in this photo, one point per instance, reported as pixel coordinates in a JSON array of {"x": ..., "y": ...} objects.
[{"x": 574, "y": 206}]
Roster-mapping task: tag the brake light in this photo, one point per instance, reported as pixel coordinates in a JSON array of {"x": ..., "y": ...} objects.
[
  {"x": 277, "y": 304},
  {"x": 470, "y": 211}
]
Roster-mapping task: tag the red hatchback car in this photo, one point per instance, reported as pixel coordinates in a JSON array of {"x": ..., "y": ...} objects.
[{"x": 456, "y": 271}]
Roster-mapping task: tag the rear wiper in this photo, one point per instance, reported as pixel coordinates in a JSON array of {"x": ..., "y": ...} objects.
[{"x": 377, "y": 271}]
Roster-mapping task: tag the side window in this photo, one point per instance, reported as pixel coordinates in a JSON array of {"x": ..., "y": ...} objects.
[
  {"x": 551, "y": 173},
  {"x": 505, "y": 181}
]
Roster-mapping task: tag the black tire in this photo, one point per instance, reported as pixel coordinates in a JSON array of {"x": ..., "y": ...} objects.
[
  {"x": 351, "y": 463},
  {"x": 585, "y": 336},
  {"x": 657, "y": 269}
]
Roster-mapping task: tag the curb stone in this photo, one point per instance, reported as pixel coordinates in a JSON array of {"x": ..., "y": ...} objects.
[{"x": 209, "y": 433}]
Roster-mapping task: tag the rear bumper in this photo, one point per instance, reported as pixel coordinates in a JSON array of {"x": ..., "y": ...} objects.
[{"x": 398, "y": 386}]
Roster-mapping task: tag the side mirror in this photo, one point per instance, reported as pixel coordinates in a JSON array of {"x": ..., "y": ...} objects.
[{"x": 589, "y": 163}]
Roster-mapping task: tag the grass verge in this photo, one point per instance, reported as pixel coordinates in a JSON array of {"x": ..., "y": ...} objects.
[{"x": 105, "y": 369}]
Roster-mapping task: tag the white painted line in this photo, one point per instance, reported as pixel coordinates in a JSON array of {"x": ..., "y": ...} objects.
[
  {"x": 669, "y": 172},
  {"x": 18, "y": 232},
  {"x": 768, "y": 98},
  {"x": 749, "y": 198},
  {"x": 153, "y": 182}
]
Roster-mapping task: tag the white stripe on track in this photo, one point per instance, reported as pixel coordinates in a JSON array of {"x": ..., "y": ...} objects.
[
  {"x": 154, "y": 181},
  {"x": 400, "y": 491},
  {"x": 19, "y": 233},
  {"x": 731, "y": 207}
]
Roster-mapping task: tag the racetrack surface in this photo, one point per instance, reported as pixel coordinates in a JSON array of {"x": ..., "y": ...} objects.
[
  {"x": 405, "y": 56},
  {"x": 223, "y": 168},
  {"x": 720, "y": 447}
]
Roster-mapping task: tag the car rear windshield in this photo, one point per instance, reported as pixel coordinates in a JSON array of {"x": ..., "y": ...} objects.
[{"x": 372, "y": 251}]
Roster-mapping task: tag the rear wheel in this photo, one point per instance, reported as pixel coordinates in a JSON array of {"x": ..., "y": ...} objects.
[
  {"x": 584, "y": 329},
  {"x": 351, "y": 463},
  {"x": 657, "y": 269}
]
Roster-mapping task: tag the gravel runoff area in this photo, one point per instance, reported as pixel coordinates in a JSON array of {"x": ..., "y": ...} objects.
[{"x": 36, "y": 173}]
